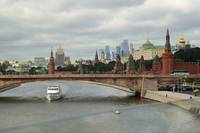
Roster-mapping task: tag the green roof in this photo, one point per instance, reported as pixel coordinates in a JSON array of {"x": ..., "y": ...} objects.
[
  {"x": 148, "y": 45},
  {"x": 159, "y": 46}
]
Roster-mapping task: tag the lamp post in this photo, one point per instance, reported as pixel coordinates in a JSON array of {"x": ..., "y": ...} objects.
[{"x": 181, "y": 84}]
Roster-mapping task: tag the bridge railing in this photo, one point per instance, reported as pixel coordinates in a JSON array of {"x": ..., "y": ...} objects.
[{"x": 94, "y": 76}]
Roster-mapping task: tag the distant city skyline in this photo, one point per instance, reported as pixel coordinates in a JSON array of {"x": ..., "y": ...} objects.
[
  {"x": 111, "y": 49},
  {"x": 29, "y": 29}
]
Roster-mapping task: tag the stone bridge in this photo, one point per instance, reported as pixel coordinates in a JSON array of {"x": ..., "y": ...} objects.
[{"x": 125, "y": 82}]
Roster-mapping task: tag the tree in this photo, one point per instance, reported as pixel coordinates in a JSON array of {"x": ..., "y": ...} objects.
[
  {"x": 148, "y": 64},
  {"x": 188, "y": 55},
  {"x": 111, "y": 65},
  {"x": 69, "y": 67},
  {"x": 4, "y": 66},
  {"x": 32, "y": 70},
  {"x": 59, "y": 68}
]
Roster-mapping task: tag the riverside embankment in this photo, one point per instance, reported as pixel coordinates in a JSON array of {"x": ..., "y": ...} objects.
[
  {"x": 185, "y": 101},
  {"x": 5, "y": 85}
]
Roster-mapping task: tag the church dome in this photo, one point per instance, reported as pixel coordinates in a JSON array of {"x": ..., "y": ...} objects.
[
  {"x": 148, "y": 45},
  {"x": 182, "y": 40}
]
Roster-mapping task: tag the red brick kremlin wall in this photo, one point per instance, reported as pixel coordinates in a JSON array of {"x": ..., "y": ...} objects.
[{"x": 192, "y": 67}]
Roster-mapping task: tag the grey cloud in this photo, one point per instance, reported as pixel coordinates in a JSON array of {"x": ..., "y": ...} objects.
[
  {"x": 34, "y": 26},
  {"x": 100, "y": 4}
]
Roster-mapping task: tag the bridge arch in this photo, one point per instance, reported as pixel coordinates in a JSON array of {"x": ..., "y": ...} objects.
[{"x": 128, "y": 83}]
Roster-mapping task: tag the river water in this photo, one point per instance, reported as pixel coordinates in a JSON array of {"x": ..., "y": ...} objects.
[{"x": 88, "y": 108}]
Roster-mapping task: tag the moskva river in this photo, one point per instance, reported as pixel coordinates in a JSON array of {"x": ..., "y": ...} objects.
[{"x": 88, "y": 108}]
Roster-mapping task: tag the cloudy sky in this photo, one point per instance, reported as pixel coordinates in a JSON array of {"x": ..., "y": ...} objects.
[{"x": 30, "y": 28}]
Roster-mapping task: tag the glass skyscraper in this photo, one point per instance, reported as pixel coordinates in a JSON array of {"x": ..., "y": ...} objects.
[
  {"x": 107, "y": 52},
  {"x": 118, "y": 50},
  {"x": 124, "y": 48}
]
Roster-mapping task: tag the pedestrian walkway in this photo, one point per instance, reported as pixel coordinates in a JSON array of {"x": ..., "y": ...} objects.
[{"x": 186, "y": 101}]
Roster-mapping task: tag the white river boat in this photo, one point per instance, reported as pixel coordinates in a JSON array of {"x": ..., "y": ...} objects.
[{"x": 54, "y": 93}]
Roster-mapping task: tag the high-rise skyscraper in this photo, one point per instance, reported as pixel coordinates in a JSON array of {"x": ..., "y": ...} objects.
[
  {"x": 131, "y": 48},
  {"x": 60, "y": 56},
  {"x": 124, "y": 48},
  {"x": 107, "y": 52},
  {"x": 118, "y": 50}
]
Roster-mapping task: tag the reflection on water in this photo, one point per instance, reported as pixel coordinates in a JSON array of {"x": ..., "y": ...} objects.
[
  {"x": 110, "y": 99},
  {"x": 88, "y": 108}
]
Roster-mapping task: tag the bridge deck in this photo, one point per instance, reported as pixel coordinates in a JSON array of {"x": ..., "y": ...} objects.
[{"x": 97, "y": 76}]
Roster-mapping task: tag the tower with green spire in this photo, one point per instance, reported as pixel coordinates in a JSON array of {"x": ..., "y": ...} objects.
[
  {"x": 51, "y": 54},
  {"x": 51, "y": 64},
  {"x": 167, "y": 44},
  {"x": 96, "y": 60},
  {"x": 118, "y": 68},
  {"x": 130, "y": 67},
  {"x": 167, "y": 57}
]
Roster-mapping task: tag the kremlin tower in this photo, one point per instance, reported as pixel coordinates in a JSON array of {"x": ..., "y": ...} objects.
[
  {"x": 51, "y": 64},
  {"x": 96, "y": 60},
  {"x": 167, "y": 61}
]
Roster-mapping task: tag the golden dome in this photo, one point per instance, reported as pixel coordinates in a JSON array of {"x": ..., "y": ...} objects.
[{"x": 182, "y": 40}]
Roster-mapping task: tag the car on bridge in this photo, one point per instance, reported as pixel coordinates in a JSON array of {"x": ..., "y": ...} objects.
[
  {"x": 182, "y": 86},
  {"x": 196, "y": 87},
  {"x": 185, "y": 86}
]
